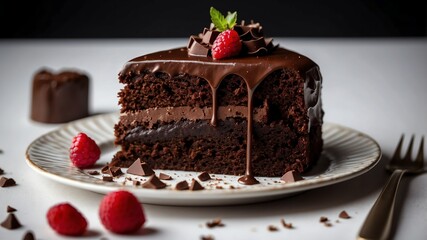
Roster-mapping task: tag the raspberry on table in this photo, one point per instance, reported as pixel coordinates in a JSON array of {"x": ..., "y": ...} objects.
[
  {"x": 66, "y": 220},
  {"x": 84, "y": 151},
  {"x": 120, "y": 212}
]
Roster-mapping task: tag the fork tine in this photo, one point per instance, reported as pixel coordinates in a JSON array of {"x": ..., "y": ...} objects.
[
  {"x": 420, "y": 155},
  {"x": 396, "y": 155},
  {"x": 409, "y": 151}
]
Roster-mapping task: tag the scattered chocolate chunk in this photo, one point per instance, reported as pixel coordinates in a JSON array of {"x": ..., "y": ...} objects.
[
  {"x": 195, "y": 185},
  {"x": 286, "y": 225},
  {"x": 7, "y": 182},
  {"x": 140, "y": 168},
  {"x": 136, "y": 182},
  {"x": 164, "y": 176},
  {"x": 344, "y": 215},
  {"x": 208, "y": 237},
  {"x": 107, "y": 178},
  {"x": 105, "y": 168},
  {"x": 29, "y": 236},
  {"x": 183, "y": 185},
  {"x": 11, "y": 222},
  {"x": 215, "y": 223},
  {"x": 94, "y": 172},
  {"x": 323, "y": 219},
  {"x": 291, "y": 176},
  {"x": 10, "y": 209},
  {"x": 154, "y": 183},
  {"x": 272, "y": 228},
  {"x": 204, "y": 176},
  {"x": 1, "y": 171},
  {"x": 115, "y": 171},
  {"x": 219, "y": 187}
]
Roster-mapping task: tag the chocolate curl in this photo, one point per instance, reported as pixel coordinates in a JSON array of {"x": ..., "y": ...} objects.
[{"x": 197, "y": 48}]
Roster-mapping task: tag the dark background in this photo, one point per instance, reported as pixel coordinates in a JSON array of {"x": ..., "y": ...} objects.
[{"x": 142, "y": 18}]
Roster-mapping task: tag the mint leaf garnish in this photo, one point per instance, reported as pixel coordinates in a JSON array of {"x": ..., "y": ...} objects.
[{"x": 223, "y": 23}]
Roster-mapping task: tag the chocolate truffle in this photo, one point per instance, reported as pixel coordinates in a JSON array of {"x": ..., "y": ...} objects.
[{"x": 59, "y": 97}]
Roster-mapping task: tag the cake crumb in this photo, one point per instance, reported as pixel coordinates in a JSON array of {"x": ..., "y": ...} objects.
[{"x": 215, "y": 223}]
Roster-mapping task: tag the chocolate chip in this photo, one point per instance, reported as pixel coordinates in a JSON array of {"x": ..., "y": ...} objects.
[
  {"x": 215, "y": 223},
  {"x": 285, "y": 224},
  {"x": 291, "y": 176},
  {"x": 11, "y": 222},
  {"x": 29, "y": 236},
  {"x": 183, "y": 185},
  {"x": 10, "y": 209},
  {"x": 115, "y": 171},
  {"x": 272, "y": 228},
  {"x": 93, "y": 172},
  {"x": 7, "y": 182},
  {"x": 344, "y": 214},
  {"x": 107, "y": 178},
  {"x": 154, "y": 183},
  {"x": 140, "y": 168},
  {"x": 195, "y": 185},
  {"x": 204, "y": 176},
  {"x": 164, "y": 176}
]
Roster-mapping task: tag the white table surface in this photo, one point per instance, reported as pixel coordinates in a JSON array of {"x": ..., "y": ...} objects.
[{"x": 377, "y": 86}]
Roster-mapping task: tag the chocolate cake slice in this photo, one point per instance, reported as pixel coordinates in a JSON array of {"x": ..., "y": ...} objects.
[{"x": 251, "y": 115}]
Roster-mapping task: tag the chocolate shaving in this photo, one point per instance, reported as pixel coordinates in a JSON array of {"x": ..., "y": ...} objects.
[
  {"x": 105, "y": 169},
  {"x": 204, "y": 176},
  {"x": 10, "y": 209},
  {"x": 344, "y": 215},
  {"x": 291, "y": 176},
  {"x": 7, "y": 182},
  {"x": 272, "y": 228},
  {"x": 215, "y": 223},
  {"x": 285, "y": 224},
  {"x": 140, "y": 168},
  {"x": 94, "y": 172},
  {"x": 183, "y": 185},
  {"x": 164, "y": 176},
  {"x": 154, "y": 183},
  {"x": 195, "y": 185},
  {"x": 29, "y": 236},
  {"x": 11, "y": 222}
]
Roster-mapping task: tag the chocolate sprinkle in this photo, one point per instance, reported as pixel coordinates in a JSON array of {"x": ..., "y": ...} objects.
[
  {"x": 344, "y": 215},
  {"x": 164, "y": 176},
  {"x": 107, "y": 178},
  {"x": 215, "y": 223},
  {"x": 286, "y": 225},
  {"x": 183, "y": 185},
  {"x": 140, "y": 168},
  {"x": 93, "y": 172},
  {"x": 29, "y": 236},
  {"x": 7, "y": 182},
  {"x": 272, "y": 228},
  {"x": 10, "y": 209},
  {"x": 11, "y": 222},
  {"x": 204, "y": 176},
  {"x": 291, "y": 176},
  {"x": 154, "y": 183},
  {"x": 195, "y": 185}
]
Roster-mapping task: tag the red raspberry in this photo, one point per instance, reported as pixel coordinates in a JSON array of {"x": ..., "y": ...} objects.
[
  {"x": 83, "y": 151},
  {"x": 120, "y": 212},
  {"x": 66, "y": 220},
  {"x": 226, "y": 45}
]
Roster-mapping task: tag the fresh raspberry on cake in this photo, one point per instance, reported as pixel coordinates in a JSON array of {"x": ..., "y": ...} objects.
[
  {"x": 228, "y": 43},
  {"x": 120, "y": 212},
  {"x": 66, "y": 220},
  {"x": 84, "y": 151}
]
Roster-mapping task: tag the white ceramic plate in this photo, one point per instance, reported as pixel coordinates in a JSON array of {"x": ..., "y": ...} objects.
[{"x": 347, "y": 153}]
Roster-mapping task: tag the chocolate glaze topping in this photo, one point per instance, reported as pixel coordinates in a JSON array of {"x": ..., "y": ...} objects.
[{"x": 253, "y": 69}]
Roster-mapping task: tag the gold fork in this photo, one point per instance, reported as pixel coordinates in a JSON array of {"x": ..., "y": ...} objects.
[{"x": 378, "y": 223}]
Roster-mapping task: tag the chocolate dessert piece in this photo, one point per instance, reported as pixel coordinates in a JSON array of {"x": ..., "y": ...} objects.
[
  {"x": 59, "y": 97},
  {"x": 195, "y": 185},
  {"x": 7, "y": 182},
  {"x": 256, "y": 114},
  {"x": 115, "y": 171},
  {"x": 291, "y": 176},
  {"x": 154, "y": 183},
  {"x": 164, "y": 176},
  {"x": 140, "y": 168},
  {"x": 11, "y": 222}
]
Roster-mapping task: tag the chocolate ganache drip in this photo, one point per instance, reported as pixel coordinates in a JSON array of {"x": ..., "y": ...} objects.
[{"x": 251, "y": 35}]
